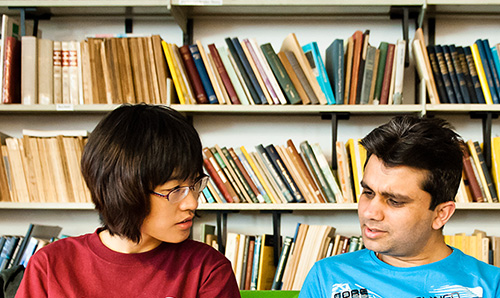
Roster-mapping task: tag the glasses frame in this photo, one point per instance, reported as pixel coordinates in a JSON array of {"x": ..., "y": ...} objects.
[{"x": 202, "y": 181}]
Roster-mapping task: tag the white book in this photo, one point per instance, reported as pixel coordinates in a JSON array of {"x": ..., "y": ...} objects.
[
  {"x": 73, "y": 62},
  {"x": 65, "y": 51},
  {"x": 239, "y": 260},
  {"x": 8, "y": 24},
  {"x": 45, "y": 71},
  {"x": 224, "y": 56},
  {"x": 327, "y": 172},
  {"x": 423, "y": 72},
  {"x": 57, "y": 59},
  {"x": 399, "y": 72},
  {"x": 29, "y": 70},
  {"x": 232, "y": 244}
]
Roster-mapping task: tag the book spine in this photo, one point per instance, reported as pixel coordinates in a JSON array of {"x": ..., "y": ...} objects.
[
  {"x": 261, "y": 98},
  {"x": 316, "y": 170},
  {"x": 229, "y": 176},
  {"x": 11, "y": 91},
  {"x": 481, "y": 74},
  {"x": 239, "y": 175},
  {"x": 246, "y": 175},
  {"x": 486, "y": 172},
  {"x": 302, "y": 77},
  {"x": 468, "y": 79},
  {"x": 203, "y": 74},
  {"x": 255, "y": 265},
  {"x": 445, "y": 74},
  {"x": 200, "y": 95},
  {"x": 280, "y": 269},
  {"x": 453, "y": 74},
  {"x": 225, "y": 188},
  {"x": 380, "y": 71},
  {"x": 223, "y": 74},
  {"x": 284, "y": 173},
  {"x": 261, "y": 71},
  {"x": 474, "y": 75},
  {"x": 386, "y": 81},
  {"x": 460, "y": 74},
  {"x": 477, "y": 196},
  {"x": 231, "y": 72},
  {"x": 338, "y": 68},
  {"x": 491, "y": 65},
  {"x": 487, "y": 71},
  {"x": 367, "y": 75},
  {"x": 312, "y": 54},
  {"x": 443, "y": 97},
  {"x": 358, "y": 45}
]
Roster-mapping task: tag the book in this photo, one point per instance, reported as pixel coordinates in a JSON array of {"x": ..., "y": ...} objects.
[
  {"x": 491, "y": 66},
  {"x": 11, "y": 89},
  {"x": 453, "y": 74},
  {"x": 245, "y": 176},
  {"x": 45, "y": 74},
  {"x": 194, "y": 77},
  {"x": 244, "y": 262},
  {"x": 436, "y": 75},
  {"x": 7, "y": 252},
  {"x": 211, "y": 74},
  {"x": 228, "y": 169},
  {"x": 249, "y": 268},
  {"x": 238, "y": 88},
  {"x": 36, "y": 231},
  {"x": 248, "y": 165},
  {"x": 278, "y": 276},
  {"x": 239, "y": 175},
  {"x": 487, "y": 182},
  {"x": 223, "y": 74},
  {"x": 349, "y": 54},
  {"x": 327, "y": 172},
  {"x": 460, "y": 74},
  {"x": 311, "y": 51},
  {"x": 311, "y": 95},
  {"x": 295, "y": 173},
  {"x": 255, "y": 65},
  {"x": 398, "y": 72},
  {"x": 468, "y": 78},
  {"x": 474, "y": 75},
  {"x": 261, "y": 177},
  {"x": 366, "y": 82},
  {"x": 315, "y": 171},
  {"x": 266, "y": 263},
  {"x": 294, "y": 78},
  {"x": 290, "y": 43},
  {"x": 445, "y": 74},
  {"x": 386, "y": 82},
  {"x": 254, "y": 84},
  {"x": 278, "y": 196},
  {"x": 434, "y": 95},
  {"x": 334, "y": 65},
  {"x": 29, "y": 70},
  {"x": 256, "y": 262},
  {"x": 10, "y": 29},
  {"x": 219, "y": 177},
  {"x": 357, "y": 52},
  {"x": 484, "y": 73},
  {"x": 380, "y": 72},
  {"x": 421, "y": 68},
  {"x": 203, "y": 74},
  {"x": 362, "y": 61},
  {"x": 357, "y": 155},
  {"x": 474, "y": 187},
  {"x": 281, "y": 74}
]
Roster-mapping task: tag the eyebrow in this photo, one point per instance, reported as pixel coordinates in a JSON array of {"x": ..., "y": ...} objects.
[{"x": 389, "y": 194}]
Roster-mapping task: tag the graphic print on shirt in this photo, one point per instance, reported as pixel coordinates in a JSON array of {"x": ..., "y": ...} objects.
[
  {"x": 344, "y": 291},
  {"x": 458, "y": 291}
]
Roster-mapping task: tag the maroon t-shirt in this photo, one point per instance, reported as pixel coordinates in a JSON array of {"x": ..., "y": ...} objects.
[{"x": 83, "y": 267}]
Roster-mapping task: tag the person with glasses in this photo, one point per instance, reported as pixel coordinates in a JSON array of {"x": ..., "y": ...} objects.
[{"x": 143, "y": 167}]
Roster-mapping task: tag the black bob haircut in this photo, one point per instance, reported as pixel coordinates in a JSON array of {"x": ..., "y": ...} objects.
[
  {"x": 423, "y": 143},
  {"x": 132, "y": 150}
]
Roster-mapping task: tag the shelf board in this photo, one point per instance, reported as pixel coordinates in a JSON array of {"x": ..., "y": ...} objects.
[
  {"x": 53, "y": 108},
  {"x": 47, "y": 206},
  {"x": 461, "y": 108},
  {"x": 232, "y": 207}
]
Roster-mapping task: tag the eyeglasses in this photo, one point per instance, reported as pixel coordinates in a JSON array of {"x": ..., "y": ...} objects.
[{"x": 178, "y": 193}]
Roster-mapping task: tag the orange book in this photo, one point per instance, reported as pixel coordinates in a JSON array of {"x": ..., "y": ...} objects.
[{"x": 358, "y": 45}]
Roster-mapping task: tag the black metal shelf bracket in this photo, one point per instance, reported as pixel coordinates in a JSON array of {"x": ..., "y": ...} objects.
[
  {"x": 486, "y": 118},
  {"x": 276, "y": 231},
  {"x": 188, "y": 36},
  {"x": 405, "y": 13},
  {"x": 129, "y": 23},
  {"x": 335, "y": 117}
]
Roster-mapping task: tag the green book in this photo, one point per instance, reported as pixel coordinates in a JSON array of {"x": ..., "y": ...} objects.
[
  {"x": 380, "y": 71},
  {"x": 315, "y": 170},
  {"x": 239, "y": 175},
  {"x": 367, "y": 75},
  {"x": 230, "y": 177},
  {"x": 281, "y": 75},
  {"x": 224, "y": 56}
]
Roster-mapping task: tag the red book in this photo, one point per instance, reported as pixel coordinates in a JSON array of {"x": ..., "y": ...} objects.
[
  {"x": 475, "y": 189},
  {"x": 223, "y": 184},
  {"x": 194, "y": 77},
  {"x": 386, "y": 82},
  {"x": 217, "y": 180},
  {"x": 11, "y": 91},
  {"x": 223, "y": 74}
]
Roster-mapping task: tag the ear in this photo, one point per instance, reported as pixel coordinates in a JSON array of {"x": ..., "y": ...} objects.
[{"x": 443, "y": 213}]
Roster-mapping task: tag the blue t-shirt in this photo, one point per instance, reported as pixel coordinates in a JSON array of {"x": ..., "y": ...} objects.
[{"x": 362, "y": 275}]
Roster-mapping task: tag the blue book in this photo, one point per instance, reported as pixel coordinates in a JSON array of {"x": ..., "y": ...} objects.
[
  {"x": 491, "y": 63},
  {"x": 7, "y": 253},
  {"x": 487, "y": 71},
  {"x": 208, "y": 195},
  {"x": 460, "y": 74},
  {"x": 202, "y": 71},
  {"x": 443, "y": 69},
  {"x": 313, "y": 55},
  {"x": 217, "y": 190},
  {"x": 473, "y": 75},
  {"x": 255, "y": 265},
  {"x": 496, "y": 60},
  {"x": 261, "y": 99},
  {"x": 334, "y": 65}
]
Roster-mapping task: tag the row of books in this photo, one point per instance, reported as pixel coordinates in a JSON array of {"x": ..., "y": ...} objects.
[
  {"x": 98, "y": 70},
  {"x": 459, "y": 75},
  {"x": 17, "y": 250},
  {"x": 282, "y": 174},
  {"x": 248, "y": 73},
  {"x": 252, "y": 256},
  {"x": 43, "y": 166},
  {"x": 478, "y": 244}
]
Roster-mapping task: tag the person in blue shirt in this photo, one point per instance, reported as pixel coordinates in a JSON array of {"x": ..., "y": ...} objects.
[{"x": 412, "y": 174}]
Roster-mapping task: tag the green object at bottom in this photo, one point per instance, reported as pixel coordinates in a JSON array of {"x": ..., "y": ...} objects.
[{"x": 269, "y": 294}]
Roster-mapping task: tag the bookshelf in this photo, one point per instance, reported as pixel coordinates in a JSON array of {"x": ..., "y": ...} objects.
[{"x": 250, "y": 125}]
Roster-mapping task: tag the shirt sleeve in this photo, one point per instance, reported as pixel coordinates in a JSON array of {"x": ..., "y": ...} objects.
[
  {"x": 311, "y": 286},
  {"x": 221, "y": 283},
  {"x": 33, "y": 284}
]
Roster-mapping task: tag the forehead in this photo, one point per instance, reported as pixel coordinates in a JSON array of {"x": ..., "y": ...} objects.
[{"x": 399, "y": 179}]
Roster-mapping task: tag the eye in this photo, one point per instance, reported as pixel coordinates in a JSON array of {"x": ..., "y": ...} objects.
[
  {"x": 367, "y": 192},
  {"x": 395, "y": 203}
]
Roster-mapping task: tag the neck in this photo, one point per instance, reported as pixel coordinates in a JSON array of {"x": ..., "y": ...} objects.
[
  {"x": 124, "y": 245},
  {"x": 434, "y": 254}
]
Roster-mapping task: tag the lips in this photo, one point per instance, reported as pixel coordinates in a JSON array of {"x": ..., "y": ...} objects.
[{"x": 372, "y": 232}]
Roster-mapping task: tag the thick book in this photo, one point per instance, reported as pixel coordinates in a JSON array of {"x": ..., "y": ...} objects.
[
  {"x": 199, "y": 91},
  {"x": 468, "y": 79},
  {"x": 11, "y": 89},
  {"x": 315, "y": 171},
  {"x": 486, "y": 173},
  {"x": 433, "y": 92},
  {"x": 45, "y": 67},
  {"x": 29, "y": 70},
  {"x": 290, "y": 43},
  {"x": 203, "y": 74},
  {"x": 284, "y": 173},
  {"x": 357, "y": 155},
  {"x": 311, "y": 51},
  {"x": 436, "y": 73},
  {"x": 362, "y": 63},
  {"x": 267, "y": 268},
  {"x": 366, "y": 83},
  {"x": 294, "y": 78},
  {"x": 476, "y": 55},
  {"x": 280, "y": 73},
  {"x": 334, "y": 64},
  {"x": 443, "y": 68},
  {"x": 491, "y": 65},
  {"x": 236, "y": 169},
  {"x": 240, "y": 92},
  {"x": 357, "y": 51},
  {"x": 396, "y": 93},
  {"x": 280, "y": 269},
  {"x": 380, "y": 71},
  {"x": 487, "y": 70},
  {"x": 386, "y": 81},
  {"x": 302, "y": 77},
  {"x": 474, "y": 187},
  {"x": 453, "y": 74},
  {"x": 474, "y": 75},
  {"x": 223, "y": 74}
]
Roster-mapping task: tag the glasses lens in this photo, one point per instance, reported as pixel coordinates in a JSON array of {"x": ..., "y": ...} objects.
[
  {"x": 178, "y": 194},
  {"x": 200, "y": 184}
]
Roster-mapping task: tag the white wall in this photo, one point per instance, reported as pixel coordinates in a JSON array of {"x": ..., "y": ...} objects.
[{"x": 250, "y": 130}]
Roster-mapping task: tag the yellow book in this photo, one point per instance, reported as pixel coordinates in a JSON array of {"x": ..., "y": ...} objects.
[
  {"x": 358, "y": 156},
  {"x": 266, "y": 263},
  {"x": 482, "y": 178},
  {"x": 182, "y": 74},
  {"x": 171, "y": 66},
  {"x": 259, "y": 175},
  {"x": 495, "y": 162},
  {"x": 481, "y": 75}
]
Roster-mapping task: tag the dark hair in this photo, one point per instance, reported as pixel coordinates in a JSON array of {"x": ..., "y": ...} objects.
[
  {"x": 423, "y": 143},
  {"x": 132, "y": 150}
]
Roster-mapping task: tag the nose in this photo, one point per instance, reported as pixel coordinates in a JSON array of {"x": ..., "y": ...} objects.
[
  {"x": 190, "y": 202},
  {"x": 372, "y": 209}
]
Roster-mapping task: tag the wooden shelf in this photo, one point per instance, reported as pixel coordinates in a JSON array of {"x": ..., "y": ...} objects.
[
  {"x": 462, "y": 108},
  {"x": 47, "y": 206}
]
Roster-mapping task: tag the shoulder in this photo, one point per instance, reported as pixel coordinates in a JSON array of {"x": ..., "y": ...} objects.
[
  {"x": 357, "y": 257},
  {"x": 61, "y": 246},
  {"x": 201, "y": 251},
  {"x": 473, "y": 265}
]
